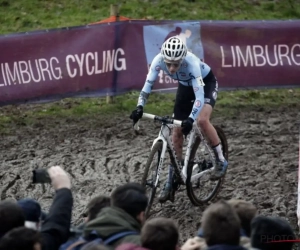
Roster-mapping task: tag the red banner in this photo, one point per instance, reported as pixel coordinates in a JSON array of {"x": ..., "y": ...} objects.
[
  {"x": 114, "y": 57},
  {"x": 253, "y": 54}
]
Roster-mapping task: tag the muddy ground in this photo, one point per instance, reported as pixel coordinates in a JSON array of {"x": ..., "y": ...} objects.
[{"x": 101, "y": 153}]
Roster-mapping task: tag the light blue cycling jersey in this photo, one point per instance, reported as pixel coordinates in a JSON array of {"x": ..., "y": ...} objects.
[{"x": 191, "y": 73}]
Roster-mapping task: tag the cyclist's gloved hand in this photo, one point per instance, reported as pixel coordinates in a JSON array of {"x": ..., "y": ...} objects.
[
  {"x": 187, "y": 126},
  {"x": 137, "y": 114}
]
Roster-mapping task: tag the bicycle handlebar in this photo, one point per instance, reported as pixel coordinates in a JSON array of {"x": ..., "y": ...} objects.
[{"x": 161, "y": 119}]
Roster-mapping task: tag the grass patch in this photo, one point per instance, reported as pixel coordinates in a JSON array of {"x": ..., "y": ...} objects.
[
  {"x": 20, "y": 15},
  {"x": 228, "y": 104}
]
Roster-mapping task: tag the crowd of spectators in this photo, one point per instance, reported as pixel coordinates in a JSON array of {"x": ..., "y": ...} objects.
[{"x": 118, "y": 222}]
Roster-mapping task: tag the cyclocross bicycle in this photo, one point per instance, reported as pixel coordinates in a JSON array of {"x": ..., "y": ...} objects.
[{"x": 196, "y": 167}]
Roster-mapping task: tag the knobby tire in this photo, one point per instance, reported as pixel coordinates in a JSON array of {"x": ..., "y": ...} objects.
[
  {"x": 189, "y": 186},
  {"x": 156, "y": 148}
]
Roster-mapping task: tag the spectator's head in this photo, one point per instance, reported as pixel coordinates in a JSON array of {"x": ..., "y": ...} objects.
[
  {"x": 267, "y": 229},
  {"x": 11, "y": 216},
  {"x": 33, "y": 213},
  {"x": 160, "y": 234},
  {"x": 132, "y": 198},
  {"x": 221, "y": 225},
  {"x": 95, "y": 205},
  {"x": 246, "y": 212},
  {"x": 21, "y": 238}
]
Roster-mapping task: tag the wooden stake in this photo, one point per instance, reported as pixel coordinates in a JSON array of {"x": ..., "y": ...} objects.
[{"x": 114, "y": 11}]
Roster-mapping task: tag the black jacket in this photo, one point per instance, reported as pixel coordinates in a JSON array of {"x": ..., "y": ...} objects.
[{"x": 56, "y": 227}]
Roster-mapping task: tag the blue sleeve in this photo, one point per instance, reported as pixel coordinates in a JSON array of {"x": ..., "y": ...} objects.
[
  {"x": 198, "y": 85},
  {"x": 150, "y": 80}
]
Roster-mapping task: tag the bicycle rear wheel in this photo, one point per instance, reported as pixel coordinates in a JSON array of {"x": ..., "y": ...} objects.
[
  {"x": 149, "y": 181},
  {"x": 194, "y": 198}
]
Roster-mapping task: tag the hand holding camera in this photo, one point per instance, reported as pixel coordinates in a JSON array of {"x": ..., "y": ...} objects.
[{"x": 54, "y": 175}]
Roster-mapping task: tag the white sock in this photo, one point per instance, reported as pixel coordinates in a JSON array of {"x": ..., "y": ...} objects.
[{"x": 218, "y": 152}]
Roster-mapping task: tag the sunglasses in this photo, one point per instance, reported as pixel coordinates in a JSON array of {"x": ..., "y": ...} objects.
[{"x": 175, "y": 65}]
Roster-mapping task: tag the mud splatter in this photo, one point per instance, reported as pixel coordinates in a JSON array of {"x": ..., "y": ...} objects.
[{"x": 263, "y": 151}]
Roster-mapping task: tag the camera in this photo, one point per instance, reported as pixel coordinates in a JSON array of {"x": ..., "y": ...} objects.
[{"x": 40, "y": 176}]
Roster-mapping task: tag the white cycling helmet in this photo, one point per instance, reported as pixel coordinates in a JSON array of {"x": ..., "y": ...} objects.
[{"x": 173, "y": 49}]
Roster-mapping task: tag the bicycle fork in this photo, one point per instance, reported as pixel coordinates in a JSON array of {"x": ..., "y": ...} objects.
[
  {"x": 161, "y": 162},
  {"x": 161, "y": 138}
]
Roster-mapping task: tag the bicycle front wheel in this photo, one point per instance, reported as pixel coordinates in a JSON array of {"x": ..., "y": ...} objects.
[
  {"x": 150, "y": 174},
  {"x": 202, "y": 163}
]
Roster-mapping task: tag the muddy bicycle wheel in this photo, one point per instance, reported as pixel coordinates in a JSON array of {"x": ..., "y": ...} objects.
[
  {"x": 203, "y": 164},
  {"x": 149, "y": 181}
]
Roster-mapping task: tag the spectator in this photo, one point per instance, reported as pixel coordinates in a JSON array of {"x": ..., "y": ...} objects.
[
  {"x": 268, "y": 229},
  {"x": 56, "y": 227},
  {"x": 33, "y": 213},
  {"x": 11, "y": 216},
  {"x": 21, "y": 238},
  {"x": 160, "y": 234},
  {"x": 92, "y": 209},
  {"x": 127, "y": 213},
  {"x": 246, "y": 212},
  {"x": 221, "y": 227},
  {"x": 95, "y": 206}
]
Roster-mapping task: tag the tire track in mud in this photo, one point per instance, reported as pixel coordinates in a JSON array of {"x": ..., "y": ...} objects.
[{"x": 263, "y": 158}]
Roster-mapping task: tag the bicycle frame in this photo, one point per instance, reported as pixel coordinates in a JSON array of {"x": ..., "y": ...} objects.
[{"x": 164, "y": 137}]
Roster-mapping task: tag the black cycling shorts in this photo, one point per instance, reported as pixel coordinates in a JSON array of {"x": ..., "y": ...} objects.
[{"x": 185, "y": 97}]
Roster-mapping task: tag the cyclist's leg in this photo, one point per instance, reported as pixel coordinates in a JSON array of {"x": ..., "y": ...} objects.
[
  {"x": 210, "y": 95},
  {"x": 177, "y": 138},
  {"x": 182, "y": 108},
  {"x": 208, "y": 129},
  {"x": 183, "y": 105}
]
